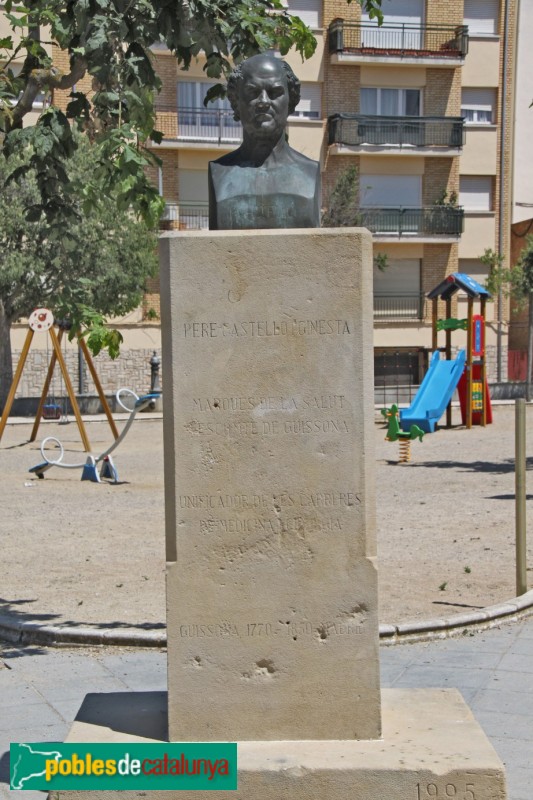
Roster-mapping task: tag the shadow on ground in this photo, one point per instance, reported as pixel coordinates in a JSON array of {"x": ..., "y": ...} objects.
[
  {"x": 495, "y": 467},
  {"x": 11, "y": 609}
]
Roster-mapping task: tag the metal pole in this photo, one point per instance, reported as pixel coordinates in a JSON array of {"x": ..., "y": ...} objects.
[
  {"x": 501, "y": 182},
  {"x": 520, "y": 495}
]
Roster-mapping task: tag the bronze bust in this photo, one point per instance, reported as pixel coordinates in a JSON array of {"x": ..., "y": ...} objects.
[{"x": 265, "y": 183}]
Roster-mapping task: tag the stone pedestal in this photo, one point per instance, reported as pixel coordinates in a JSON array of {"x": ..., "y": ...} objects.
[
  {"x": 432, "y": 749},
  {"x": 271, "y": 581}
]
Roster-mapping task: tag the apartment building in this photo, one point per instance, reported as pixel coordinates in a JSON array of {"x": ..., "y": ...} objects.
[
  {"x": 522, "y": 219},
  {"x": 422, "y": 108}
]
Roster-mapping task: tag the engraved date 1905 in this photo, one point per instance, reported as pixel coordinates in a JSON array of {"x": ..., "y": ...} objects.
[{"x": 433, "y": 791}]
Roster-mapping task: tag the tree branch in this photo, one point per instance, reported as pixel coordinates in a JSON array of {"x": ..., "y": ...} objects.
[{"x": 46, "y": 78}]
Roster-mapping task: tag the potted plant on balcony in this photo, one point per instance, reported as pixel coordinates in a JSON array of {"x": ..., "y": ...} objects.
[{"x": 439, "y": 219}]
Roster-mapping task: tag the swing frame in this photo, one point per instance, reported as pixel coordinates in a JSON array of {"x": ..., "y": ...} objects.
[{"x": 57, "y": 357}]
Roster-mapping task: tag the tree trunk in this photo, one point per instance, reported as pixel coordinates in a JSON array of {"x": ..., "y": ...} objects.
[
  {"x": 529, "y": 347},
  {"x": 6, "y": 360}
]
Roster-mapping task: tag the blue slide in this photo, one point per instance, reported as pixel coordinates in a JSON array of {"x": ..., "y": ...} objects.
[{"x": 435, "y": 393}]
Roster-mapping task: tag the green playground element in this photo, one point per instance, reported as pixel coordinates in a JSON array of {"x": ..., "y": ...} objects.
[
  {"x": 394, "y": 432},
  {"x": 452, "y": 324}
]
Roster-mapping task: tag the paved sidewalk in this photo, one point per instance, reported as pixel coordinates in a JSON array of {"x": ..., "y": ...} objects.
[{"x": 41, "y": 689}]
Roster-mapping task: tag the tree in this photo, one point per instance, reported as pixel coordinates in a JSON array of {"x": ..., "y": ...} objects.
[
  {"x": 517, "y": 283},
  {"x": 344, "y": 209},
  {"x": 111, "y": 40},
  {"x": 83, "y": 273},
  {"x": 343, "y": 202}
]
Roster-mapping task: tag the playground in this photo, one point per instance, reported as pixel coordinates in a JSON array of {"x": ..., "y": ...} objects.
[{"x": 84, "y": 553}]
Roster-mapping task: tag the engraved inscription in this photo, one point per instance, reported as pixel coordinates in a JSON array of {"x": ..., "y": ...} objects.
[
  {"x": 280, "y": 628},
  {"x": 268, "y": 428},
  {"x": 261, "y": 525},
  {"x": 445, "y": 790},
  {"x": 254, "y": 329},
  {"x": 322, "y": 402},
  {"x": 325, "y": 499}
]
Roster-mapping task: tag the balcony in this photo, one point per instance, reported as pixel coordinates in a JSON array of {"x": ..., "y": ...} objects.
[
  {"x": 406, "y": 43},
  {"x": 185, "y": 217},
  {"x": 393, "y": 308},
  {"x": 420, "y": 223},
  {"x": 426, "y": 136},
  {"x": 198, "y": 126}
]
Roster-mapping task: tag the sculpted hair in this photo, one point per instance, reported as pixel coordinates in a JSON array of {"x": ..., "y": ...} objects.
[{"x": 235, "y": 77}]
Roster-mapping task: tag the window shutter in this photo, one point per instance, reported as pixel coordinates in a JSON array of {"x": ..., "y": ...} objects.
[
  {"x": 193, "y": 186},
  {"x": 307, "y": 10},
  {"x": 477, "y": 105},
  {"x": 475, "y": 192},
  {"x": 481, "y": 99},
  {"x": 397, "y": 11},
  {"x": 310, "y": 104},
  {"x": 401, "y": 277},
  {"x": 390, "y": 191},
  {"x": 481, "y": 16}
]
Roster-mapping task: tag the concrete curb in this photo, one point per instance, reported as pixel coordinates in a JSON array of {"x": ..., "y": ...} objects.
[{"x": 29, "y": 633}]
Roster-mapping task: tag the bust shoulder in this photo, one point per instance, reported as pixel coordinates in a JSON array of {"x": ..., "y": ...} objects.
[{"x": 286, "y": 157}]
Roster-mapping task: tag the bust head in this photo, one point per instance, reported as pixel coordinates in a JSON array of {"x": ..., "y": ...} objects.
[
  {"x": 264, "y": 183},
  {"x": 263, "y": 91}
]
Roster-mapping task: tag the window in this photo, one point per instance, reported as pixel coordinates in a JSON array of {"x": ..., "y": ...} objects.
[
  {"x": 475, "y": 192},
  {"x": 391, "y": 102},
  {"x": 395, "y": 34},
  {"x": 191, "y": 95},
  {"x": 475, "y": 269},
  {"x": 194, "y": 196},
  {"x": 195, "y": 121},
  {"x": 481, "y": 16},
  {"x": 400, "y": 278},
  {"x": 193, "y": 186},
  {"x": 390, "y": 191},
  {"x": 477, "y": 106},
  {"x": 310, "y": 105},
  {"x": 307, "y": 10}
]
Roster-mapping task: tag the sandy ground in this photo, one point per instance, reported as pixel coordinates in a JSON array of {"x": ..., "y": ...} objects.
[{"x": 93, "y": 554}]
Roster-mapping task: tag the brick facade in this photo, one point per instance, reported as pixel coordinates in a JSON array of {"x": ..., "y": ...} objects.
[
  {"x": 335, "y": 168},
  {"x": 444, "y": 12},
  {"x": 518, "y": 332},
  {"x": 341, "y": 84},
  {"x": 503, "y": 205},
  {"x": 339, "y": 9},
  {"x": 342, "y": 89},
  {"x": 442, "y": 93},
  {"x": 440, "y": 175},
  {"x": 61, "y": 61}
]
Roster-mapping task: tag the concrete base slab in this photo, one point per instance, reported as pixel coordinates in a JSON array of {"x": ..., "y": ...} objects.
[{"x": 432, "y": 749}]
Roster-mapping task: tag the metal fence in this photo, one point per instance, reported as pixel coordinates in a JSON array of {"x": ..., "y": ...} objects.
[
  {"x": 399, "y": 307},
  {"x": 208, "y": 125},
  {"x": 358, "y": 129},
  {"x": 436, "y": 220},
  {"x": 397, "y": 376},
  {"x": 185, "y": 216},
  {"x": 398, "y": 39}
]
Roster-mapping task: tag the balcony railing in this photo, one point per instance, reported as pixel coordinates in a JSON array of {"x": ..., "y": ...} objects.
[
  {"x": 398, "y": 39},
  {"x": 208, "y": 125},
  {"x": 399, "y": 306},
  {"x": 353, "y": 130},
  {"x": 433, "y": 221},
  {"x": 186, "y": 216}
]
